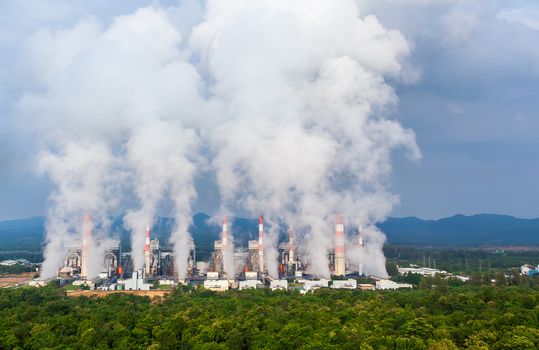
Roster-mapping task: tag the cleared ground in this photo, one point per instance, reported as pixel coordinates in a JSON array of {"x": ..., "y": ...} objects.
[
  {"x": 103, "y": 293},
  {"x": 16, "y": 279}
]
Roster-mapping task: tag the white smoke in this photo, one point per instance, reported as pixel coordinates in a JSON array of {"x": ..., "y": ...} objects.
[
  {"x": 288, "y": 99},
  {"x": 303, "y": 89},
  {"x": 81, "y": 174},
  {"x": 128, "y": 89}
]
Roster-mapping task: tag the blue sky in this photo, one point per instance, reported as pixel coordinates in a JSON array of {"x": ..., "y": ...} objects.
[{"x": 472, "y": 99}]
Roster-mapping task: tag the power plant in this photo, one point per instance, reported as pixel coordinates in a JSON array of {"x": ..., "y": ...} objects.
[{"x": 228, "y": 266}]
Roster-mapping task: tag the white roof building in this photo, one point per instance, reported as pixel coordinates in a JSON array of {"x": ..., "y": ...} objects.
[
  {"x": 250, "y": 284},
  {"x": 279, "y": 284},
  {"x": 216, "y": 285},
  {"x": 8, "y": 263},
  {"x": 137, "y": 282},
  {"x": 388, "y": 284},
  {"x": 312, "y": 285},
  {"x": 344, "y": 284},
  {"x": 424, "y": 271}
]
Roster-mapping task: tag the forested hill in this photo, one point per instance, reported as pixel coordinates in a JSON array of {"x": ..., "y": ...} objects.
[
  {"x": 458, "y": 230},
  {"x": 461, "y": 230}
]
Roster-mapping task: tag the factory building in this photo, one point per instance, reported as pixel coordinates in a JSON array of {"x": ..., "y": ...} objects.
[
  {"x": 288, "y": 264},
  {"x": 250, "y": 284},
  {"x": 252, "y": 257},
  {"x": 423, "y": 271},
  {"x": 78, "y": 252},
  {"x": 215, "y": 284},
  {"x": 137, "y": 282},
  {"x": 279, "y": 285},
  {"x": 223, "y": 252},
  {"x": 344, "y": 284},
  {"x": 388, "y": 284}
]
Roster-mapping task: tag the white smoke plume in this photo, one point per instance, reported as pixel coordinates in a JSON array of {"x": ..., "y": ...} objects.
[
  {"x": 303, "y": 89},
  {"x": 81, "y": 175},
  {"x": 288, "y": 100},
  {"x": 128, "y": 89}
]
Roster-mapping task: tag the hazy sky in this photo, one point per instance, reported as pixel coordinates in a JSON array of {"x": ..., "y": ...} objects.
[{"x": 472, "y": 98}]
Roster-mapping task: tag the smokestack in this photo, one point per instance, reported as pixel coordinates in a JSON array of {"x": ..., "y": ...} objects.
[
  {"x": 291, "y": 246},
  {"x": 224, "y": 234},
  {"x": 261, "y": 244},
  {"x": 339, "y": 246},
  {"x": 86, "y": 238},
  {"x": 225, "y": 249},
  {"x": 361, "y": 245},
  {"x": 147, "y": 260}
]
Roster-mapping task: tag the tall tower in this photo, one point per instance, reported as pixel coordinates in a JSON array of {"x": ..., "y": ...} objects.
[
  {"x": 87, "y": 226},
  {"x": 291, "y": 246},
  {"x": 361, "y": 245},
  {"x": 261, "y": 244},
  {"x": 224, "y": 233},
  {"x": 339, "y": 246},
  {"x": 225, "y": 258},
  {"x": 147, "y": 259}
]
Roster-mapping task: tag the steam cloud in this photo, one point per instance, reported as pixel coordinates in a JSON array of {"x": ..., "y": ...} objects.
[{"x": 284, "y": 100}]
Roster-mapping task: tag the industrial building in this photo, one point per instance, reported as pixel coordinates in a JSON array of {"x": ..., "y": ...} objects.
[
  {"x": 248, "y": 264},
  {"x": 344, "y": 284},
  {"x": 423, "y": 271},
  {"x": 77, "y": 253},
  {"x": 388, "y": 284}
]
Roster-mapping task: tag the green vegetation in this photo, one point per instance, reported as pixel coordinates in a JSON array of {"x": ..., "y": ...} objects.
[{"x": 443, "y": 317}]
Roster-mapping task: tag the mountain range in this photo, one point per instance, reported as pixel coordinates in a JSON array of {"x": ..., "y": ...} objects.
[{"x": 458, "y": 230}]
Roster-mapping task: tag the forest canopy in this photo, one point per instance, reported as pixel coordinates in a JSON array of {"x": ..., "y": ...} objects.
[{"x": 449, "y": 318}]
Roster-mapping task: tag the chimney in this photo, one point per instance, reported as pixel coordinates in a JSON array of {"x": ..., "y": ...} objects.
[
  {"x": 361, "y": 237},
  {"x": 291, "y": 246},
  {"x": 224, "y": 234},
  {"x": 339, "y": 246},
  {"x": 87, "y": 226},
  {"x": 147, "y": 258},
  {"x": 261, "y": 244}
]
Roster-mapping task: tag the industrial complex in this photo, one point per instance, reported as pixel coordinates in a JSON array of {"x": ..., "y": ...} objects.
[{"x": 228, "y": 267}]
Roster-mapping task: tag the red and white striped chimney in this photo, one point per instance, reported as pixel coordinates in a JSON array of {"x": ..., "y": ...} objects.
[
  {"x": 224, "y": 234},
  {"x": 87, "y": 227},
  {"x": 261, "y": 244},
  {"x": 147, "y": 259},
  {"x": 339, "y": 246}
]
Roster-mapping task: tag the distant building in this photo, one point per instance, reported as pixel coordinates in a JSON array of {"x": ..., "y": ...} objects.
[
  {"x": 344, "y": 284},
  {"x": 388, "y": 284},
  {"x": 8, "y": 263},
  {"x": 216, "y": 285},
  {"x": 137, "y": 282},
  {"x": 279, "y": 284},
  {"x": 312, "y": 285},
  {"x": 250, "y": 284},
  {"x": 366, "y": 286},
  {"x": 423, "y": 271}
]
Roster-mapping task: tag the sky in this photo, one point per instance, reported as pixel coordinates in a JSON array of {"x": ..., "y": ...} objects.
[{"x": 469, "y": 94}]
